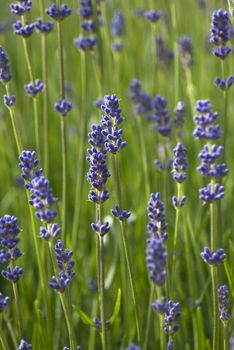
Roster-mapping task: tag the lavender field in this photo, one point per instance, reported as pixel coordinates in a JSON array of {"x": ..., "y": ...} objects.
[{"x": 117, "y": 175}]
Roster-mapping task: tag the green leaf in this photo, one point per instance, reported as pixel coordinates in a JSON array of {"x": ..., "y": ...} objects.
[
  {"x": 84, "y": 317},
  {"x": 117, "y": 307}
]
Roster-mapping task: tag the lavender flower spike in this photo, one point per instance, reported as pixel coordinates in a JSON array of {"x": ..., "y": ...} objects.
[
  {"x": 63, "y": 107},
  {"x": 5, "y": 72},
  {"x": 122, "y": 215},
  {"x": 58, "y": 14},
  {"x": 224, "y": 303},
  {"x": 3, "y": 302},
  {"x": 111, "y": 119},
  {"x": 156, "y": 213},
  {"x": 156, "y": 258},
  {"x": 180, "y": 163},
  {"x": 172, "y": 316}
]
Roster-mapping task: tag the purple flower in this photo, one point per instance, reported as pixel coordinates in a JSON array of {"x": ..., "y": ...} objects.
[
  {"x": 224, "y": 303},
  {"x": 222, "y": 52},
  {"x": 140, "y": 99},
  {"x": 205, "y": 129},
  {"x": 5, "y": 73},
  {"x": 156, "y": 213},
  {"x": 63, "y": 256},
  {"x": 63, "y": 107},
  {"x": 9, "y": 102},
  {"x": 164, "y": 55},
  {"x": 3, "y": 302},
  {"x": 42, "y": 199},
  {"x": 172, "y": 316},
  {"x": 24, "y": 345},
  {"x": 186, "y": 51},
  {"x": 152, "y": 15},
  {"x": 44, "y": 27},
  {"x": 122, "y": 215},
  {"x": 98, "y": 173},
  {"x": 101, "y": 229},
  {"x": 211, "y": 193},
  {"x": 33, "y": 90},
  {"x": 85, "y": 43},
  {"x": 224, "y": 84},
  {"x": 12, "y": 274},
  {"x": 178, "y": 202},
  {"x": 160, "y": 306},
  {"x": 180, "y": 163},
  {"x": 161, "y": 116},
  {"x": 58, "y": 14},
  {"x": 220, "y": 26},
  {"x": 118, "y": 24},
  {"x": 21, "y": 8},
  {"x": 111, "y": 119},
  {"x": 52, "y": 231},
  {"x": 28, "y": 164},
  {"x": 156, "y": 258},
  {"x": 208, "y": 157},
  {"x": 213, "y": 258},
  {"x": 24, "y": 31}
]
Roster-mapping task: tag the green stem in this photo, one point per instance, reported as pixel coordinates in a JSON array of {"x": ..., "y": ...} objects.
[
  {"x": 2, "y": 337},
  {"x": 178, "y": 210},
  {"x": 190, "y": 88},
  {"x": 101, "y": 291},
  {"x": 69, "y": 322},
  {"x": 81, "y": 158},
  {"x": 45, "y": 104},
  {"x": 18, "y": 309},
  {"x": 12, "y": 116},
  {"x": 35, "y": 107},
  {"x": 147, "y": 328},
  {"x": 176, "y": 58},
  {"x": 131, "y": 279},
  {"x": 215, "y": 337},
  {"x": 161, "y": 320},
  {"x": 143, "y": 156},
  {"x": 225, "y": 336},
  {"x": 64, "y": 175},
  {"x": 101, "y": 279},
  {"x": 92, "y": 332}
]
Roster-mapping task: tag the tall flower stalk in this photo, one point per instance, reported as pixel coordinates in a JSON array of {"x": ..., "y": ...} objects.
[
  {"x": 58, "y": 13},
  {"x": 23, "y": 29},
  {"x": 211, "y": 193},
  {"x": 111, "y": 120}
]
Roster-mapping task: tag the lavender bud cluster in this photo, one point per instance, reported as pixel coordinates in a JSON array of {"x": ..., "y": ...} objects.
[
  {"x": 21, "y": 7},
  {"x": 9, "y": 251},
  {"x": 152, "y": 15},
  {"x": 122, "y": 215},
  {"x": 140, "y": 99},
  {"x": 224, "y": 303},
  {"x": 205, "y": 130},
  {"x": 171, "y": 312},
  {"x": 63, "y": 257},
  {"x": 5, "y": 71},
  {"x": 220, "y": 33},
  {"x": 58, "y": 14},
  {"x": 87, "y": 41},
  {"x": 156, "y": 213},
  {"x": 161, "y": 116},
  {"x": 111, "y": 119},
  {"x": 213, "y": 258},
  {"x": 165, "y": 56},
  {"x": 156, "y": 259},
  {"x": 3, "y": 302},
  {"x": 24, "y": 345},
  {"x": 33, "y": 90},
  {"x": 117, "y": 31}
]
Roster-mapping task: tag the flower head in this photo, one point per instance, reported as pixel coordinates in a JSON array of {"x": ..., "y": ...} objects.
[
  {"x": 24, "y": 345},
  {"x": 21, "y": 8},
  {"x": 25, "y": 31},
  {"x": 224, "y": 303},
  {"x": 63, "y": 107},
  {"x": 3, "y": 302},
  {"x": 213, "y": 258},
  {"x": 156, "y": 258},
  {"x": 58, "y": 14},
  {"x": 5, "y": 73},
  {"x": 33, "y": 90},
  {"x": 180, "y": 163},
  {"x": 161, "y": 116},
  {"x": 156, "y": 213}
]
